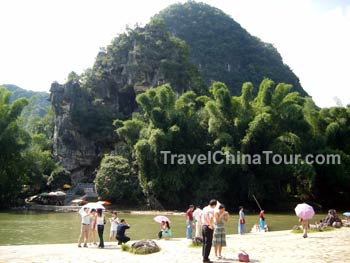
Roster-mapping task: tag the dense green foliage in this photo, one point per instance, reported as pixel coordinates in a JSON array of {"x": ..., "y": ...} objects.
[
  {"x": 141, "y": 58},
  {"x": 115, "y": 181},
  {"x": 25, "y": 154},
  {"x": 223, "y": 50},
  {"x": 13, "y": 141},
  {"x": 276, "y": 119}
]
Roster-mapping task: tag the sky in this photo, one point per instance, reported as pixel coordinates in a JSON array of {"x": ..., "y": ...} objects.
[{"x": 43, "y": 40}]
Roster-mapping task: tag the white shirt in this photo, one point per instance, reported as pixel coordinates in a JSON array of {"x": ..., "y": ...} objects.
[
  {"x": 208, "y": 216},
  {"x": 100, "y": 220},
  {"x": 85, "y": 218},
  {"x": 197, "y": 214},
  {"x": 114, "y": 223}
]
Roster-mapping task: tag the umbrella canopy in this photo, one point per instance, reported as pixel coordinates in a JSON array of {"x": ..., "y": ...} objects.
[
  {"x": 79, "y": 201},
  {"x": 90, "y": 206},
  {"x": 159, "y": 219},
  {"x": 304, "y": 211},
  {"x": 104, "y": 202},
  {"x": 347, "y": 214},
  {"x": 93, "y": 205}
]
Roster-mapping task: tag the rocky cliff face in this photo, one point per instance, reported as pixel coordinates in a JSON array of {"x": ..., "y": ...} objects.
[
  {"x": 86, "y": 105},
  {"x": 72, "y": 149}
]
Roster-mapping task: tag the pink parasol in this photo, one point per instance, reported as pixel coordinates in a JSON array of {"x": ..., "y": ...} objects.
[
  {"x": 160, "y": 219},
  {"x": 304, "y": 211}
]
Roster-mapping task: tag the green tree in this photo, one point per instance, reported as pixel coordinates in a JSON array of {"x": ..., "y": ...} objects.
[
  {"x": 115, "y": 182},
  {"x": 13, "y": 141}
]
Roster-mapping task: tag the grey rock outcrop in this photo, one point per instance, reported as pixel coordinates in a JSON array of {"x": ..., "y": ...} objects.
[
  {"x": 145, "y": 247},
  {"x": 71, "y": 147}
]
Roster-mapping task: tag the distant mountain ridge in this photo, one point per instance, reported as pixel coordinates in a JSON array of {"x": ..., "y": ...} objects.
[
  {"x": 38, "y": 101},
  {"x": 223, "y": 50}
]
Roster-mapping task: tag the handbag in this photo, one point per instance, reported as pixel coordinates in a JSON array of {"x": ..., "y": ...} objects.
[
  {"x": 242, "y": 221},
  {"x": 243, "y": 256}
]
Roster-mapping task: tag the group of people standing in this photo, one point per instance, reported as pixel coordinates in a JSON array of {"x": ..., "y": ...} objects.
[
  {"x": 210, "y": 225},
  {"x": 212, "y": 221},
  {"x": 93, "y": 220}
]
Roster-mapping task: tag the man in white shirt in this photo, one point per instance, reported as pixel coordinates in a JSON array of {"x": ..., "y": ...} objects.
[
  {"x": 84, "y": 230},
  {"x": 208, "y": 229}
]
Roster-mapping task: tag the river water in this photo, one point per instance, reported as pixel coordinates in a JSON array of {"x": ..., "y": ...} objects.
[{"x": 31, "y": 227}]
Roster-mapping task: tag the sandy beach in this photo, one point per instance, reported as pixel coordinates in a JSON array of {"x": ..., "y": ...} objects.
[{"x": 278, "y": 246}]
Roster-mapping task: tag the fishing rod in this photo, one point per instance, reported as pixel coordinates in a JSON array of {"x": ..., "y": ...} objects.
[{"x": 257, "y": 202}]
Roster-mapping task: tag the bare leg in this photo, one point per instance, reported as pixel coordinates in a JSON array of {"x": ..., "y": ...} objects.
[
  {"x": 305, "y": 225},
  {"x": 216, "y": 250}
]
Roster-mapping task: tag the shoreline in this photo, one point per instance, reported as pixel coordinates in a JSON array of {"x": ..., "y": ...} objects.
[{"x": 269, "y": 247}]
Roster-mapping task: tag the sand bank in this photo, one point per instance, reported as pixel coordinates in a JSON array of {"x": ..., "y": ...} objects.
[{"x": 279, "y": 246}]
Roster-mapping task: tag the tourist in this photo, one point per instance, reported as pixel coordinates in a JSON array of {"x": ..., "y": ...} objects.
[
  {"x": 241, "y": 221},
  {"x": 167, "y": 231},
  {"x": 262, "y": 221},
  {"x": 100, "y": 221},
  {"x": 189, "y": 221},
  {"x": 93, "y": 226},
  {"x": 114, "y": 221},
  {"x": 208, "y": 229},
  {"x": 121, "y": 237},
  {"x": 84, "y": 229},
  {"x": 197, "y": 217},
  {"x": 162, "y": 229},
  {"x": 220, "y": 218}
]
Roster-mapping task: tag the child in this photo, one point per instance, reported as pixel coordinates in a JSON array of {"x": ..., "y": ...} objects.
[{"x": 114, "y": 221}]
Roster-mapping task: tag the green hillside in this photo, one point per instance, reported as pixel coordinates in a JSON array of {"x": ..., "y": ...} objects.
[
  {"x": 223, "y": 50},
  {"x": 38, "y": 101}
]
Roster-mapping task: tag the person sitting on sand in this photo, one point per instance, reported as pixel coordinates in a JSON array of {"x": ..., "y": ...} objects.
[
  {"x": 162, "y": 229},
  {"x": 121, "y": 237},
  {"x": 167, "y": 231}
]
